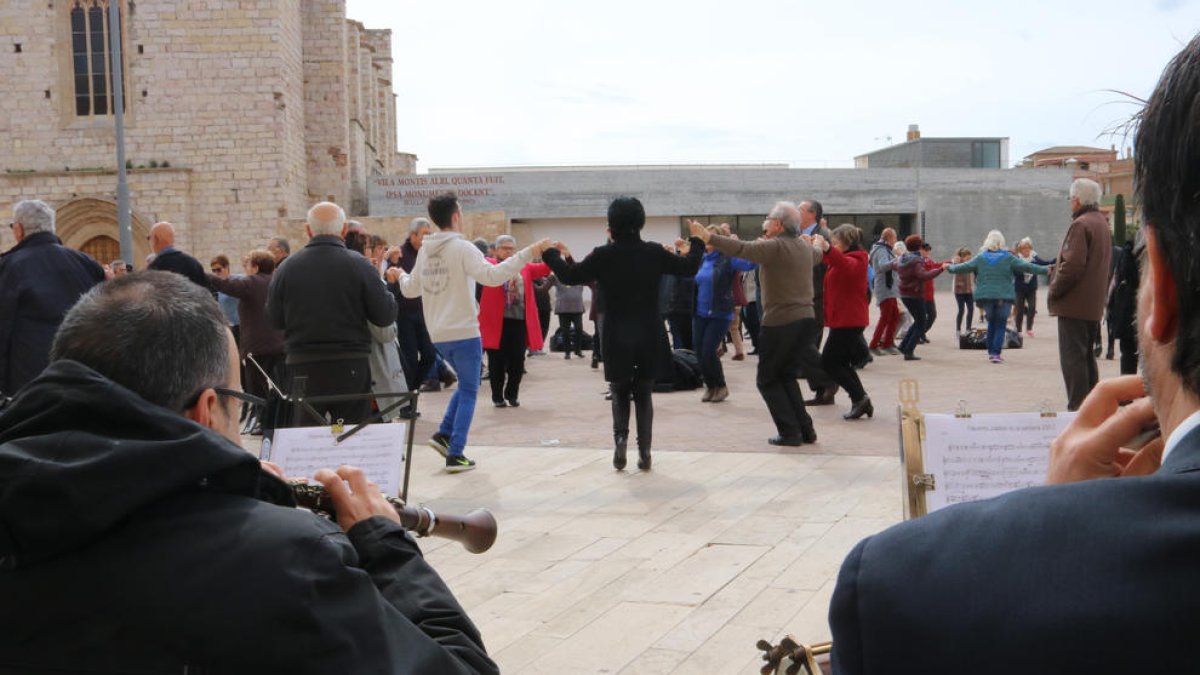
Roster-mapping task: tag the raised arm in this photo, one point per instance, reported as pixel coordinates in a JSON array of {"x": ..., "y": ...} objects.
[
  {"x": 1029, "y": 268},
  {"x": 478, "y": 268},
  {"x": 237, "y": 287},
  {"x": 570, "y": 273}
]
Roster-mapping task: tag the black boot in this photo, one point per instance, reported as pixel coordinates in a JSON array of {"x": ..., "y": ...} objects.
[
  {"x": 861, "y": 407},
  {"x": 644, "y": 455},
  {"x": 645, "y": 421},
  {"x": 620, "y": 413}
]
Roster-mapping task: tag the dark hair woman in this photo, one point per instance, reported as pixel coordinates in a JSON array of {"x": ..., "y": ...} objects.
[
  {"x": 846, "y": 315},
  {"x": 627, "y": 272},
  {"x": 913, "y": 276}
]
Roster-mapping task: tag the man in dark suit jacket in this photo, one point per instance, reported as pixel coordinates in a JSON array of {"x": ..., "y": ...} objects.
[
  {"x": 39, "y": 281},
  {"x": 1096, "y": 572},
  {"x": 167, "y": 258}
]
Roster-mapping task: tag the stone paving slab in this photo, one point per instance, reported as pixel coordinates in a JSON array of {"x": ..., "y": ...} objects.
[{"x": 727, "y": 540}]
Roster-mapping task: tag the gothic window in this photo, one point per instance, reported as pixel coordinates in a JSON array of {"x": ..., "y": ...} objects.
[{"x": 91, "y": 58}]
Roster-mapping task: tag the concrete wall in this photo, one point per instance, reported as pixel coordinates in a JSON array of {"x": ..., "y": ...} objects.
[{"x": 960, "y": 205}]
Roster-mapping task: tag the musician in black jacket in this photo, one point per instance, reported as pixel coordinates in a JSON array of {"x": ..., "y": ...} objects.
[
  {"x": 1096, "y": 572},
  {"x": 136, "y": 536},
  {"x": 627, "y": 272}
]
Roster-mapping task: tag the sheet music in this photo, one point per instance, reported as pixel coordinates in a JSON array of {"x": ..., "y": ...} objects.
[
  {"x": 377, "y": 449},
  {"x": 983, "y": 456}
]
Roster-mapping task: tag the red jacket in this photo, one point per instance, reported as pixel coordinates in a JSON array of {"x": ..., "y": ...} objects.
[
  {"x": 846, "y": 289},
  {"x": 491, "y": 310}
]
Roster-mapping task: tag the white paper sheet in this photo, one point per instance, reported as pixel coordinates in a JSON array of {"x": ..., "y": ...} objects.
[
  {"x": 378, "y": 449},
  {"x": 987, "y": 455}
]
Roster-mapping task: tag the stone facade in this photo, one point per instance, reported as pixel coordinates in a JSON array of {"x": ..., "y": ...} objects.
[{"x": 259, "y": 107}]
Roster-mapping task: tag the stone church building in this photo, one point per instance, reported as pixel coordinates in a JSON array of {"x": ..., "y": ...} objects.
[{"x": 239, "y": 115}]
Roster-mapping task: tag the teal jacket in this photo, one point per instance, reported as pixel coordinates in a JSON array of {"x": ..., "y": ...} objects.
[{"x": 995, "y": 269}]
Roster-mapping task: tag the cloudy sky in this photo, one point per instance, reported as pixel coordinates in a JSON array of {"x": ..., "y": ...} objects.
[{"x": 810, "y": 84}]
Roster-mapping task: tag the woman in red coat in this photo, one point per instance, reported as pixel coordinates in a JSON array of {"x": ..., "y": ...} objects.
[
  {"x": 508, "y": 324},
  {"x": 846, "y": 315}
]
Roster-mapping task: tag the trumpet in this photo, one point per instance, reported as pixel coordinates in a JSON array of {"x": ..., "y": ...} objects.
[{"x": 476, "y": 531}]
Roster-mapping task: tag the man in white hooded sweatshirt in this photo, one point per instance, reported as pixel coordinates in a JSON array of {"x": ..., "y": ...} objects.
[{"x": 441, "y": 277}]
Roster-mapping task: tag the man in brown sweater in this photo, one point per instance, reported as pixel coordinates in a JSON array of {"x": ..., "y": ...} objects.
[
  {"x": 789, "y": 327},
  {"x": 1079, "y": 290}
]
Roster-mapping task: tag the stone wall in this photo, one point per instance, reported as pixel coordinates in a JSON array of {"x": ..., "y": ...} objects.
[{"x": 216, "y": 87}]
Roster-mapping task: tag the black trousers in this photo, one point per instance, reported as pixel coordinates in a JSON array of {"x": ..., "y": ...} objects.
[
  {"x": 1025, "y": 307},
  {"x": 930, "y": 314},
  {"x": 1080, "y": 372},
  {"x": 571, "y": 324},
  {"x": 916, "y": 308},
  {"x": 639, "y": 390},
  {"x": 328, "y": 378},
  {"x": 752, "y": 320},
  {"x": 843, "y": 349},
  {"x": 506, "y": 365},
  {"x": 416, "y": 349},
  {"x": 681, "y": 331},
  {"x": 781, "y": 355}
]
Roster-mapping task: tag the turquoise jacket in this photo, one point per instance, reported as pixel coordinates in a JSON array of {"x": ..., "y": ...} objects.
[{"x": 995, "y": 269}]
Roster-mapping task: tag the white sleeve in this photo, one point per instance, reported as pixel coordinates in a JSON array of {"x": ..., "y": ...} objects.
[{"x": 479, "y": 269}]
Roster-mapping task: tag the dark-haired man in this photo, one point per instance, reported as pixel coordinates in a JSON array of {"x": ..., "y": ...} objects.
[
  {"x": 441, "y": 277},
  {"x": 138, "y": 536},
  {"x": 279, "y": 249},
  {"x": 811, "y": 224},
  {"x": 1096, "y": 572}
]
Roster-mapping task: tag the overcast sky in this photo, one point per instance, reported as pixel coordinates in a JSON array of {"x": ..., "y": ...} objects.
[{"x": 810, "y": 84}]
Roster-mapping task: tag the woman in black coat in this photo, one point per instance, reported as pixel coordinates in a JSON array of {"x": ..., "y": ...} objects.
[{"x": 627, "y": 271}]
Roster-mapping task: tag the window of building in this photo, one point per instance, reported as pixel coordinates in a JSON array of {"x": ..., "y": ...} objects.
[
  {"x": 91, "y": 57},
  {"x": 985, "y": 154}
]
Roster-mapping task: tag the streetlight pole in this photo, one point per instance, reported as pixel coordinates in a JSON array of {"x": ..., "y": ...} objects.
[{"x": 124, "y": 226}]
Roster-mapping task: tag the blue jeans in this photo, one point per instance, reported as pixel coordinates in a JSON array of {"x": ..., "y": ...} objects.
[
  {"x": 707, "y": 334},
  {"x": 466, "y": 358},
  {"x": 996, "y": 312}
]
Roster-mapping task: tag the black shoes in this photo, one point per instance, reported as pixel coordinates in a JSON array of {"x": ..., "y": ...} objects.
[
  {"x": 619, "y": 441},
  {"x": 514, "y": 403},
  {"x": 861, "y": 407},
  {"x": 790, "y": 441},
  {"x": 823, "y": 397},
  {"x": 441, "y": 443},
  {"x": 500, "y": 404},
  {"x": 643, "y": 457},
  {"x": 809, "y": 435},
  {"x": 908, "y": 356}
]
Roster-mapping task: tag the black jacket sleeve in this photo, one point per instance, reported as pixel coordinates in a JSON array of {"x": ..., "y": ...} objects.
[
  {"x": 570, "y": 273},
  {"x": 380, "y": 304},
  {"x": 847, "y": 657}
]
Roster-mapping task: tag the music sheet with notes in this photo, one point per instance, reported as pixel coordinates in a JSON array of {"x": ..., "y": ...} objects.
[
  {"x": 983, "y": 456},
  {"x": 377, "y": 449}
]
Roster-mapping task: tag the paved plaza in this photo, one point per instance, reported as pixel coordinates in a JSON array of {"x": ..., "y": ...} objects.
[{"x": 728, "y": 540}]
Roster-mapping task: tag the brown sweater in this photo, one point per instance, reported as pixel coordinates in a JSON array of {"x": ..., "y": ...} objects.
[
  {"x": 785, "y": 274},
  {"x": 1079, "y": 285}
]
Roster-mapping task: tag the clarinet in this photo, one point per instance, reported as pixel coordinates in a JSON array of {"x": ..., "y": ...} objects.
[{"x": 476, "y": 531}]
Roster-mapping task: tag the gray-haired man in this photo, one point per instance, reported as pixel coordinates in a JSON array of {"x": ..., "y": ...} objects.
[{"x": 39, "y": 281}]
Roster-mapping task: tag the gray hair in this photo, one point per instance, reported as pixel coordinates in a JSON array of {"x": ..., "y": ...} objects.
[
  {"x": 1025, "y": 241},
  {"x": 849, "y": 234},
  {"x": 417, "y": 223},
  {"x": 1087, "y": 191},
  {"x": 788, "y": 216},
  {"x": 331, "y": 226},
  {"x": 282, "y": 244},
  {"x": 154, "y": 333},
  {"x": 994, "y": 241},
  {"x": 34, "y": 215},
  {"x": 505, "y": 239}
]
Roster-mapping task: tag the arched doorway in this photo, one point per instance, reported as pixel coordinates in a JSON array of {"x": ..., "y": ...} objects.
[
  {"x": 90, "y": 225},
  {"x": 103, "y": 248}
]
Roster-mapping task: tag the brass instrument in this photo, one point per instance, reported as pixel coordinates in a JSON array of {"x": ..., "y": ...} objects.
[{"x": 476, "y": 531}]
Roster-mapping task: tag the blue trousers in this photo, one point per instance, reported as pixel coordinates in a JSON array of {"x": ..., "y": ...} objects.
[
  {"x": 466, "y": 357},
  {"x": 996, "y": 312}
]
